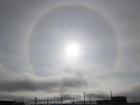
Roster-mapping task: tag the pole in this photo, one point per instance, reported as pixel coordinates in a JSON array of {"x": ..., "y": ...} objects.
[
  {"x": 35, "y": 100},
  {"x": 61, "y": 98},
  {"x": 73, "y": 100},
  {"x": 110, "y": 94},
  {"x": 54, "y": 101},
  {"x": 47, "y": 102},
  {"x": 90, "y": 100},
  {"x": 84, "y": 97}
]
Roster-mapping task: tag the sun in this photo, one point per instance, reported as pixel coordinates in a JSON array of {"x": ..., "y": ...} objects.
[{"x": 72, "y": 50}]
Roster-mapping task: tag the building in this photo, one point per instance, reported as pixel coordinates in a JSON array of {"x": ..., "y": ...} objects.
[
  {"x": 119, "y": 100},
  {"x": 114, "y": 100}
]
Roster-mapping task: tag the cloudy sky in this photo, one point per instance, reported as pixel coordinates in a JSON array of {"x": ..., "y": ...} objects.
[{"x": 48, "y": 46}]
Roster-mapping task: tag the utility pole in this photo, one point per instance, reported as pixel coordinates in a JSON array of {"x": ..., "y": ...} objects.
[
  {"x": 61, "y": 98},
  {"x": 47, "y": 102},
  {"x": 90, "y": 100},
  {"x": 35, "y": 100},
  {"x": 84, "y": 96},
  {"x": 73, "y": 100},
  {"x": 110, "y": 94},
  {"x": 54, "y": 101}
]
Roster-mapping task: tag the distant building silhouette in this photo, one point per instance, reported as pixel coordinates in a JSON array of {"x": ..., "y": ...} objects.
[
  {"x": 114, "y": 100},
  {"x": 119, "y": 99}
]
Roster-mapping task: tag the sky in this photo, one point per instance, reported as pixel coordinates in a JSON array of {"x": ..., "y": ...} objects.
[{"x": 35, "y": 36}]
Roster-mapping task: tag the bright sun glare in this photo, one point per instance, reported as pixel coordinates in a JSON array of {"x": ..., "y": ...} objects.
[{"x": 72, "y": 50}]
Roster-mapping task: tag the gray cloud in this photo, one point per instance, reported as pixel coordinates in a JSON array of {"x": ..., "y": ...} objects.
[
  {"x": 99, "y": 95},
  {"x": 44, "y": 85}
]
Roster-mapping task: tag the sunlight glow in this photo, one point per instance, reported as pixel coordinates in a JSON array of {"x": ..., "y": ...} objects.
[{"x": 72, "y": 50}]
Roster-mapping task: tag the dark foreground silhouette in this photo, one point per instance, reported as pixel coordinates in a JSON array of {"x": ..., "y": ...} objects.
[{"x": 117, "y": 100}]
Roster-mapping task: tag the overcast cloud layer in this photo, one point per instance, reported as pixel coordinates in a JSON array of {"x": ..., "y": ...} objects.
[{"x": 33, "y": 34}]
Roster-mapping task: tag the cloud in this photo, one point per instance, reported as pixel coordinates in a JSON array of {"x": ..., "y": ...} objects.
[
  {"x": 99, "y": 95},
  {"x": 44, "y": 85},
  {"x": 73, "y": 82}
]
